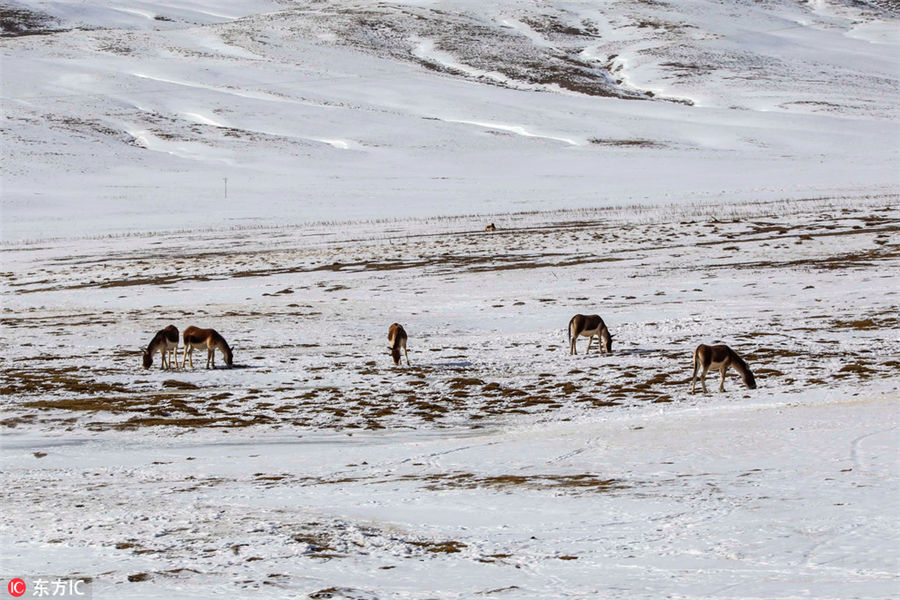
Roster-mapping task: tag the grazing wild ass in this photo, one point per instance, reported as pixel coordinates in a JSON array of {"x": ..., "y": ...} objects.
[
  {"x": 491, "y": 227},
  {"x": 205, "y": 338},
  {"x": 397, "y": 339},
  {"x": 166, "y": 343},
  {"x": 720, "y": 357},
  {"x": 589, "y": 326}
]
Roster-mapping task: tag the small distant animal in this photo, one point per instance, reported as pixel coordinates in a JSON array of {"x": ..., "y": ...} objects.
[
  {"x": 491, "y": 227},
  {"x": 589, "y": 326},
  {"x": 166, "y": 343},
  {"x": 720, "y": 357},
  {"x": 210, "y": 339},
  {"x": 397, "y": 340}
]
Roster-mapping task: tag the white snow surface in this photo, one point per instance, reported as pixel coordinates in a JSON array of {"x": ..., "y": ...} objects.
[
  {"x": 700, "y": 171},
  {"x": 495, "y": 463}
]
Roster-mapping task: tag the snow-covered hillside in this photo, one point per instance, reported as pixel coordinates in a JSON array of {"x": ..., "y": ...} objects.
[
  {"x": 131, "y": 117},
  {"x": 299, "y": 175}
]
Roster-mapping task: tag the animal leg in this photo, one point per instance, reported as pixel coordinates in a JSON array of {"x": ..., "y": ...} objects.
[
  {"x": 572, "y": 348},
  {"x": 406, "y": 354},
  {"x": 590, "y": 339},
  {"x": 722, "y": 381},
  {"x": 703, "y": 378},
  {"x": 694, "y": 378},
  {"x": 210, "y": 358},
  {"x": 188, "y": 356}
]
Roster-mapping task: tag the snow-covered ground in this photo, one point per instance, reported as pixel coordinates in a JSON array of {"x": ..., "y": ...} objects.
[
  {"x": 495, "y": 461},
  {"x": 718, "y": 172},
  {"x": 745, "y": 500}
]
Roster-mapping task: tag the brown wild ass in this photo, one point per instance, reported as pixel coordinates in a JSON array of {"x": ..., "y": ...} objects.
[
  {"x": 210, "y": 339},
  {"x": 491, "y": 227},
  {"x": 397, "y": 339},
  {"x": 720, "y": 357},
  {"x": 589, "y": 326},
  {"x": 166, "y": 343}
]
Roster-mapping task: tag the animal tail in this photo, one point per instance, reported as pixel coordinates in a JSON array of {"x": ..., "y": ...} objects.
[{"x": 569, "y": 329}]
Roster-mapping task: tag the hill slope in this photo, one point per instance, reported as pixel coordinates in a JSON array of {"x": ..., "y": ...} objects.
[{"x": 123, "y": 119}]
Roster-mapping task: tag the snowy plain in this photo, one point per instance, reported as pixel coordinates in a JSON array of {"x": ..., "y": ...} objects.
[{"x": 718, "y": 172}]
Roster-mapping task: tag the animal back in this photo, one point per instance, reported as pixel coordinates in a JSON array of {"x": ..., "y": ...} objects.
[
  {"x": 396, "y": 334},
  {"x": 171, "y": 333},
  {"x": 583, "y": 323}
]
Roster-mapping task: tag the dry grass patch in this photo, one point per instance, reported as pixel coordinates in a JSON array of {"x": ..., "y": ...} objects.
[{"x": 570, "y": 484}]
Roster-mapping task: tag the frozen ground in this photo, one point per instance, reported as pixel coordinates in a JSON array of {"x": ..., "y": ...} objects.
[
  {"x": 496, "y": 463},
  {"x": 698, "y": 171}
]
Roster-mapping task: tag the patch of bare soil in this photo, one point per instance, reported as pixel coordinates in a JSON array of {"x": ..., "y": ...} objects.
[
  {"x": 50, "y": 393},
  {"x": 872, "y": 323},
  {"x": 627, "y": 143},
  {"x": 568, "y": 484},
  {"x": 386, "y": 30},
  {"x": 16, "y": 21}
]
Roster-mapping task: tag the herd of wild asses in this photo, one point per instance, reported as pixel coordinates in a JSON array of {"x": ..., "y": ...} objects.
[{"x": 718, "y": 357}]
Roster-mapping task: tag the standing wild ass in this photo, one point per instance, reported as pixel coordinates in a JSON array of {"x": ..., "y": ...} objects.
[
  {"x": 210, "y": 339},
  {"x": 720, "y": 357},
  {"x": 166, "y": 343},
  {"x": 589, "y": 326},
  {"x": 397, "y": 340}
]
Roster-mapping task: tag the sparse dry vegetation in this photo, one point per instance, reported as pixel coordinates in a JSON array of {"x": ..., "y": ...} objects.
[{"x": 59, "y": 389}]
